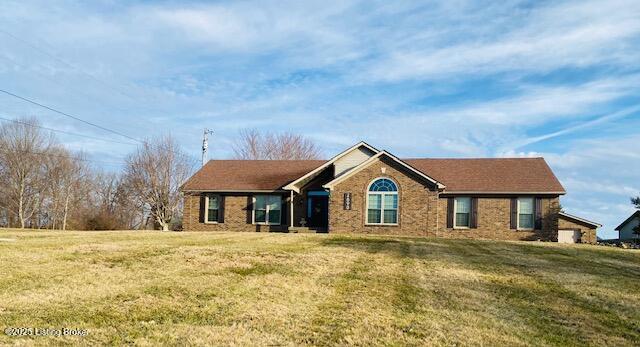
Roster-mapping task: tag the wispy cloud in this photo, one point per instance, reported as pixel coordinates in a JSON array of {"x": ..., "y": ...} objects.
[
  {"x": 561, "y": 35},
  {"x": 464, "y": 78}
]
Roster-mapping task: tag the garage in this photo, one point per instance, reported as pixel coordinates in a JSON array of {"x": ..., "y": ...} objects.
[
  {"x": 568, "y": 236},
  {"x": 573, "y": 229}
]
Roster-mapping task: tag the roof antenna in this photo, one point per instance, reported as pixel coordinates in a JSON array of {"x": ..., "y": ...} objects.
[{"x": 205, "y": 145}]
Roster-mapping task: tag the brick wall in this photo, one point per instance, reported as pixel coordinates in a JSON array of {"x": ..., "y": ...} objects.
[
  {"x": 588, "y": 233},
  {"x": 494, "y": 221},
  {"x": 416, "y": 207},
  {"x": 422, "y": 213},
  {"x": 237, "y": 216}
]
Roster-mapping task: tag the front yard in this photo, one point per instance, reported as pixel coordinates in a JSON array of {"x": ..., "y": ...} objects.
[{"x": 294, "y": 289}]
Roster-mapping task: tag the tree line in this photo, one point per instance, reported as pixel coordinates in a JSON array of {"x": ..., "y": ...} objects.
[{"x": 44, "y": 185}]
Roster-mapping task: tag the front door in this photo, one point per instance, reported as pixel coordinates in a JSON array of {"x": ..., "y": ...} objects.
[{"x": 318, "y": 211}]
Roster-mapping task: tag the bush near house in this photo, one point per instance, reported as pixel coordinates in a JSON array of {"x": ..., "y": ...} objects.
[{"x": 308, "y": 289}]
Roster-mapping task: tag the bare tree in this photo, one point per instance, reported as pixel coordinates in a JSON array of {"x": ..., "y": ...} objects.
[
  {"x": 154, "y": 174},
  {"x": 67, "y": 178},
  {"x": 22, "y": 148},
  {"x": 113, "y": 204},
  {"x": 252, "y": 144}
]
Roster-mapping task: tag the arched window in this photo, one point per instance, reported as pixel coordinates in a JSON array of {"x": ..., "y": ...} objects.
[{"x": 382, "y": 202}]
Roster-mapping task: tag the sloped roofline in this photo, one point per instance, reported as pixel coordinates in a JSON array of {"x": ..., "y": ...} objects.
[
  {"x": 626, "y": 221},
  {"x": 292, "y": 185},
  {"x": 367, "y": 162},
  {"x": 570, "y": 216}
]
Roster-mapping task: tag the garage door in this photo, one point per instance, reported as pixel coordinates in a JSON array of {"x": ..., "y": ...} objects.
[{"x": 568, "y": 236}]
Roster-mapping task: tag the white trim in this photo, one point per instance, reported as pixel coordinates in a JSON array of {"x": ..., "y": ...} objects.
[
  {"x": 455, "y": 208},
  {"x": 371, "y": 160},
  {"x": 266, "y": 191},
  {"x": 206, "y": 208},
  {"x": 500, "y": 193},
  {"x": 564, "y": 214},
  {"x": 267, "y": 210},
  {"x": 533, "y": 215},
  {"x": 382, "y": 195},
  {"x": 291, "y": 186},
  {"x": 291, "y": 212}
]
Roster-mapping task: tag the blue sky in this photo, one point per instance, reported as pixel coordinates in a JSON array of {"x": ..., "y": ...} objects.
[{"x": 420, "y": 79}]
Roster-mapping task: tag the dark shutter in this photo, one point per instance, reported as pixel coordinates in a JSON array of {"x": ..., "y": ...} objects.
[
  {"x": 450, "y": 213},
  {"x": 538, "y": 212},
  {"x": 203, "y": 202},
  {"x": 514, "y": 213},
  {"x": 220, "y": 208},
  {"x": 249, "y": 209},
  {"x": 284, "y": 213},
  {"x": 474, "y": 212}
]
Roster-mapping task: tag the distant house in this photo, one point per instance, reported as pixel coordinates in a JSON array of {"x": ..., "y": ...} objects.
[
  {"x": 366, "y": 190},
  {"x": 625, "y": 230},
  {"x": 573, "y": 229}
]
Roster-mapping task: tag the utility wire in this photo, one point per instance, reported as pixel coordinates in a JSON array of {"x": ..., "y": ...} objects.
[
  {"x": 77, "y": 118},
  {"x": 60, "y": 156},
  {"x": 57, "y": 81},
  {"x": 52, "y": 56},
  {"x": 65, "y": 132},
  {"x": 70, "y": 116}
]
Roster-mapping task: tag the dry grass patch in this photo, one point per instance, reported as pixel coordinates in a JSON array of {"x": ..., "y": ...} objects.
[{"x": 152, "y": 288}]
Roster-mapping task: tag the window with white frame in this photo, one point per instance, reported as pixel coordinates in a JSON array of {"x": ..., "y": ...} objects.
[
  {"x": 526, "y": 213},
  {"x": 462, "y": 208},
  {"x": 267, "y": 209},
  {"x": 213, "y": 208},
  {"x": 382, "y": 202}
]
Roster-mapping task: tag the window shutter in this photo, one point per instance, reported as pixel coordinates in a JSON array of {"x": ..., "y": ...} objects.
[
  {"x": 250, "y": 209},
  {"x": 284, "y": 213},
  {"x": 538, "y": 212},
  {"x": 220, "y": 208},
  {"x": 450, "y": 213},
  {"x": 203, "y": 202},
  {"x": 474, "y": 212},
  {"x": 514, "y": 213}
]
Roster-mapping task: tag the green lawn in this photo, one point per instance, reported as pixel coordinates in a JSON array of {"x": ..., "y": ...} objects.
[{"x": 152, "y": 288}]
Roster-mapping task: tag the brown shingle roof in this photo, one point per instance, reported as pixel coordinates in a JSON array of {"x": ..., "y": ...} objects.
[
  {"x": 458, "y": 175},
  {"x": 249, "y": 174},
  {"x": 491, "y": 174}
]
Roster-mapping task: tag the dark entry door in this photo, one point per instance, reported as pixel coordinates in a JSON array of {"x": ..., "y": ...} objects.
[{"x": 319, "y": 211}]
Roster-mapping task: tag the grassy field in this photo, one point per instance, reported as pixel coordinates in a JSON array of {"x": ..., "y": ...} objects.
[{"x": 152, "y": 288}]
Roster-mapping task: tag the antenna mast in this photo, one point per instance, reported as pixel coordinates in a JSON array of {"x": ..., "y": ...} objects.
[{"x": 205, "y": 145}]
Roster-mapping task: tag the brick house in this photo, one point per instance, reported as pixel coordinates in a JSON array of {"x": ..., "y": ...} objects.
[{"x": 366, "y": 190}]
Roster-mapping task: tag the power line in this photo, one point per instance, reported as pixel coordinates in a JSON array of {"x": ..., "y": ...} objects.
[
  {"x": 70, "y": 116},
  {"x": 65, "y": 132},
  {"x": 57, "y": 81},
  {"x": 52, "y": 56},
  {"x": 60, "y": 156},
  {"x": 77, "y": 118}
]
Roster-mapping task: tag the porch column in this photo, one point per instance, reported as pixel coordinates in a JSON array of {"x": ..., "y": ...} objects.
[{"x": 291, "y": 209}]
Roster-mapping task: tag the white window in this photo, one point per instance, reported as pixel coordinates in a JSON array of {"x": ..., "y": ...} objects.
[
  {"x": 526, "y": 213},
  {"x": 212, "y": 208},
  {"x": 462, "y": 208},
  {"x": 382, "y": 202},
  {"x": 267, "y": 209}
]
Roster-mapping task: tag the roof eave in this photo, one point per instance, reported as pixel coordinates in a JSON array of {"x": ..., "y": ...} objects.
[
  {"x": 235, "y": 191},
  {"x": 506, "y": 192},
  {"x": 570, "y": 216},
  {"x": 367, "y": 162},
  {"x": 628, "y": 220}
]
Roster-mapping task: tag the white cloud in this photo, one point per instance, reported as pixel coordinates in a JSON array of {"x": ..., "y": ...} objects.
[
  {"x": 393, "y": 73},
  {"x": 575, "y": 34}
]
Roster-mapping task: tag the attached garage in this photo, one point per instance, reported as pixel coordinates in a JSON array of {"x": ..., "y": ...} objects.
[
  {"x": 573, "y": 229},
  {"x": 569, "y": 236}
]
